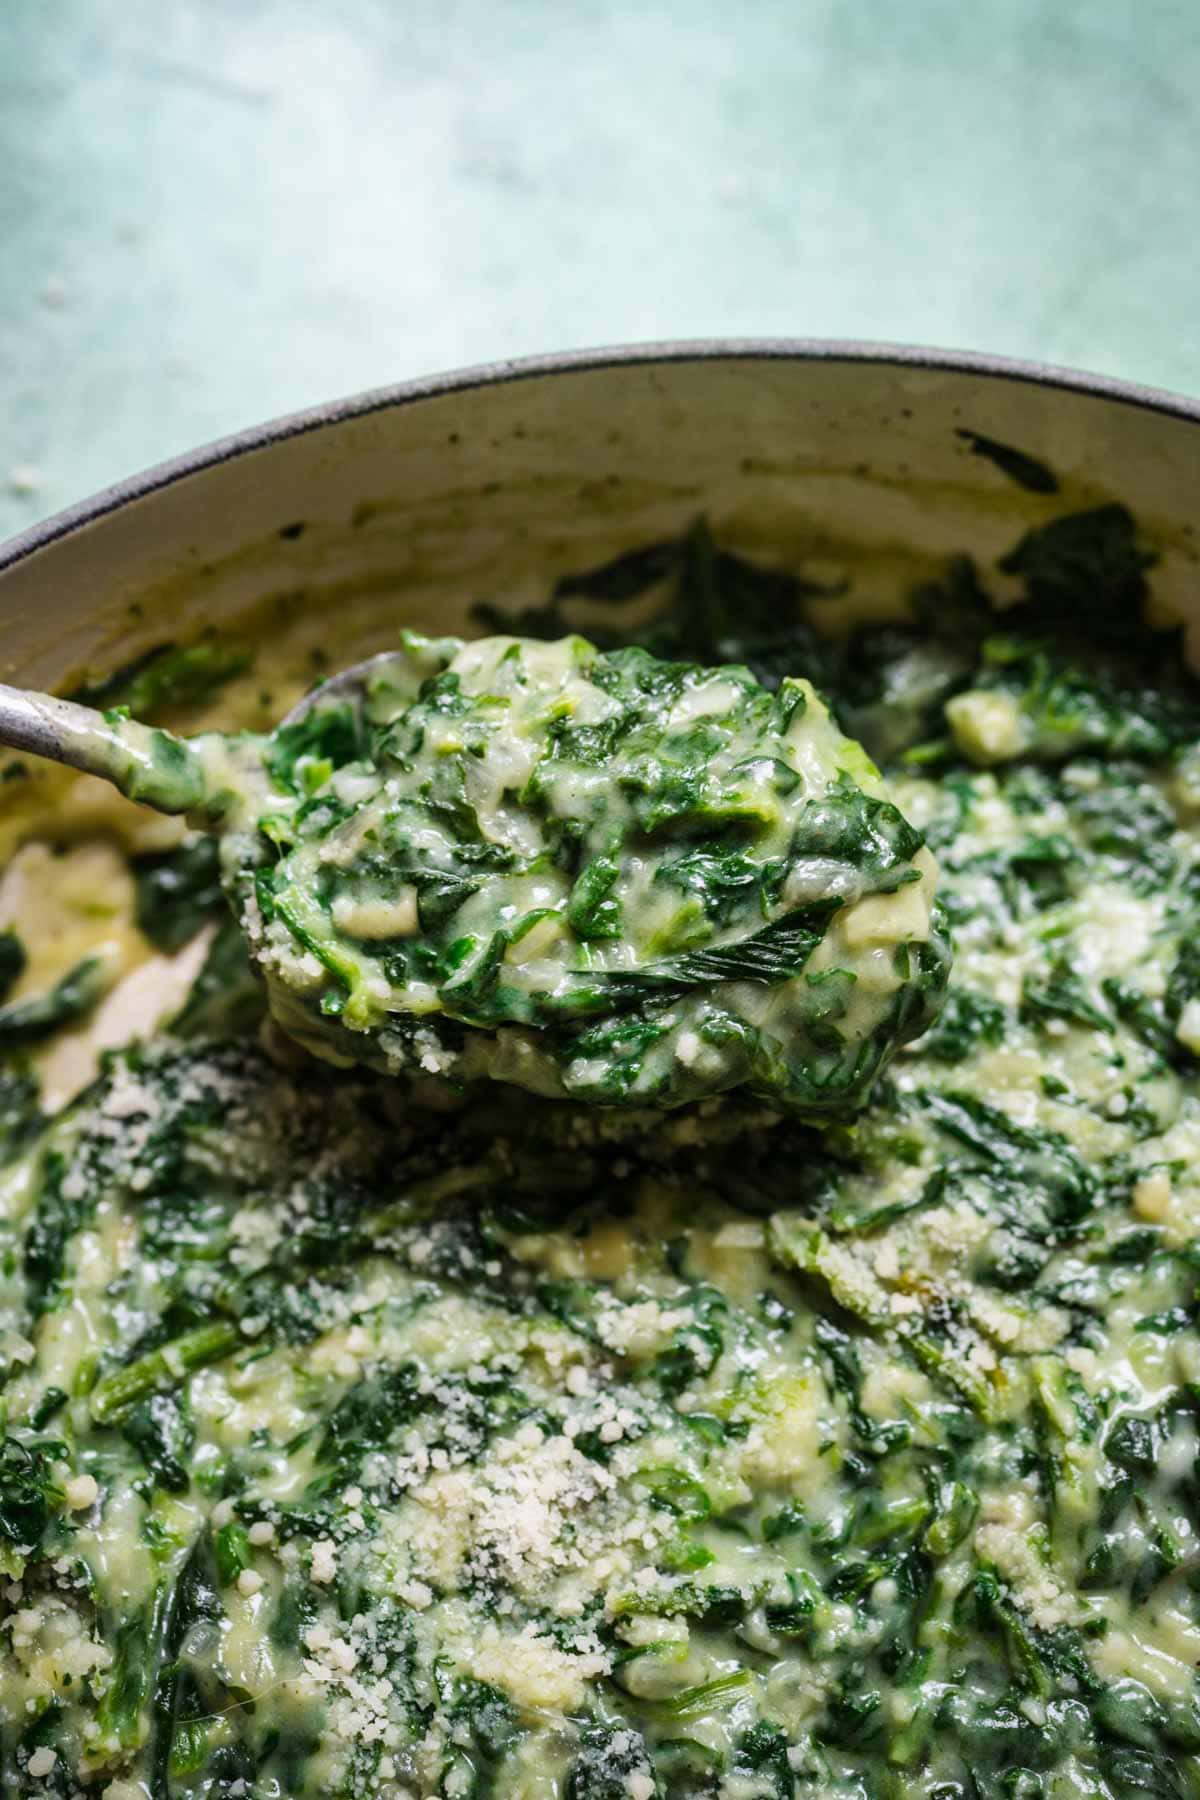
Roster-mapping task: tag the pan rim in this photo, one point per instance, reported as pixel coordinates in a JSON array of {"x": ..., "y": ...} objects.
[{"x": 250, "y": 439}]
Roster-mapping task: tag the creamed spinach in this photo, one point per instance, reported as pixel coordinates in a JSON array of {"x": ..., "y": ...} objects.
[
  {"x": 595, "y": 875},
  {"x": 359, "y": 1446}
]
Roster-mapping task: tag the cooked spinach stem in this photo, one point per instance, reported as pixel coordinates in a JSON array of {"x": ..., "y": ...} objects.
[
  {"x": 159, "y": 1369},
  {"x": 362, "y": 1437},
  {"x": 129, "y": 1681}
]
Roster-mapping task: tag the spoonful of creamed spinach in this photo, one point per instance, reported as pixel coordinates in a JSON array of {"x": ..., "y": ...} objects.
[{"x": 588, "y": 874}]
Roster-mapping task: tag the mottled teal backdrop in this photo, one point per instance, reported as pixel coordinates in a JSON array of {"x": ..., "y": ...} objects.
[{"x": 216, "y": 210}]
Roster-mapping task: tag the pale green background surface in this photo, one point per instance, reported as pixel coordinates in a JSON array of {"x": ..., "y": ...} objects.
[{"x": 212, "y": 211}]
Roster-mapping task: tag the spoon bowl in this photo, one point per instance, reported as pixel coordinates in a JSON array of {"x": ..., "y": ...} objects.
[
  {"x": 597, "y": 875},
  {"x": 350, "y": 686}
]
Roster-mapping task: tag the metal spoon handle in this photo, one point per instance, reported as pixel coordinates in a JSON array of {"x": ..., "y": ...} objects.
[{"x": 149, "y": 765}]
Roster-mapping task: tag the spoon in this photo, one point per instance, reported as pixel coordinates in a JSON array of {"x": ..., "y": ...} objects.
[
  {"x": 155, "y": 767},
  {"x": 587, "y": 873}
]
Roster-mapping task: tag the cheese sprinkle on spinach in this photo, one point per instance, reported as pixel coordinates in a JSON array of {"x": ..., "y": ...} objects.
[{"x": 509, "y": 1446}]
